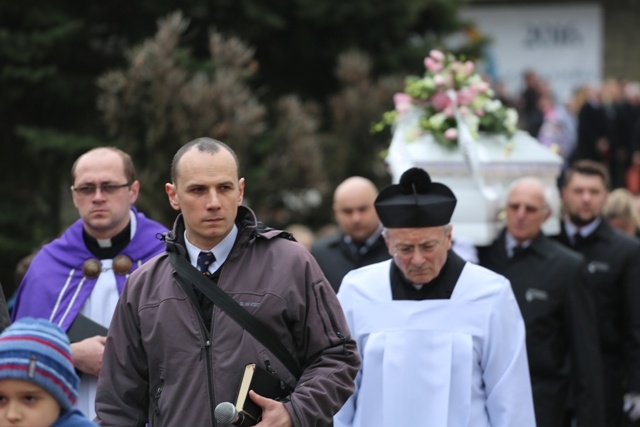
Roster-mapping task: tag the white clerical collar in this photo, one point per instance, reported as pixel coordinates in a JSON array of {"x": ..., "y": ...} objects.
[
  {"x": 106, "y": 243},
  {"x": 221, "y": 251}
]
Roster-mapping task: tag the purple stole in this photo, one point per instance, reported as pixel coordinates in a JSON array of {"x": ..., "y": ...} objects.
[{"x": 55, "y": 287}]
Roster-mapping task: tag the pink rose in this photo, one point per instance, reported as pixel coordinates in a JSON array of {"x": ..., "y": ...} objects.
[
  {"x": 465, "y": 96},
  {"x": 482, "y": 87},
  {"x": 479, "y": 112},
  {"x": 432, "y": 65},
  {"x": 439, "y": 80},
  {"x": 451, "y": 134},
  {"x": 440, "y": 101},
  {"x": 448, "y": 111},
  {"x": 402, "y": 102},
  {"x": 469, "y": 67},
  {"x": 437, "y": 55}
]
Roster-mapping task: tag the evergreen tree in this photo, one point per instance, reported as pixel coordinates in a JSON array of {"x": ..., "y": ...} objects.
[{"x": 297, "y": 106}]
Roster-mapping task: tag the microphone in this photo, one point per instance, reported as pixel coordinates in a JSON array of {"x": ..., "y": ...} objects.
[{"x": 226, "y": 413}]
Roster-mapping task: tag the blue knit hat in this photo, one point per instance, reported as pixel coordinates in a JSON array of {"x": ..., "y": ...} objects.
[{"x": 38, "y": 351}]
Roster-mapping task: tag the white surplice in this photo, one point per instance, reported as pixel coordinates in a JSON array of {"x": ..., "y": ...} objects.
[
  {"x": 460, "y": 362},
  {"x": 99, "y": 308}
]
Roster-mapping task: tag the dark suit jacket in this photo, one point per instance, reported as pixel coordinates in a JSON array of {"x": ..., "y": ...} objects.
[
  {"x": 336, "y": 259},
  {"x": 592, "y": 125},
  {"x": 549, "y": 283},
  {"x": 613, "y": 266}
]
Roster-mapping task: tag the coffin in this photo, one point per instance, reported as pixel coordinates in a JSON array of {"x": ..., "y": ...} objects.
[{"x": 479, "y": 173}]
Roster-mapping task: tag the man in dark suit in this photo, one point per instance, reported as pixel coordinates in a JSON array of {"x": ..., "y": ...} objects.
[
  {"x": 592, "y": 143},
  {"x": 359, "y": 241},
  {"x": 613, "y": 265},
  {"x": 548, "y": 281}
]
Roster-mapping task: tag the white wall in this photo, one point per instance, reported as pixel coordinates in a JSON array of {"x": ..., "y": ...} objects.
[{"x": 562, "y": 43}]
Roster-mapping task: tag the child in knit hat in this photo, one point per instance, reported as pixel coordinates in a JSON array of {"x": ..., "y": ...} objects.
[{"x": 38, "y": 383}]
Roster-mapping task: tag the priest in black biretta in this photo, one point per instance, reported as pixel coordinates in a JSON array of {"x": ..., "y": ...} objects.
[
  {"x": 416, "y": 214},
  {"x": 415, "y": 202},
  {"x": 472, "y": 321}
]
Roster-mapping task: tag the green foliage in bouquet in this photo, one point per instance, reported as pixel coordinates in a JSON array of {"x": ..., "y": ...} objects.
[{"x": 450, "y": 90}]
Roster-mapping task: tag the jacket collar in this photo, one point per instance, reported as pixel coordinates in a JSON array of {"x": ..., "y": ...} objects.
[
  {"x": 249, "y": 229},
  {"x": 602, "y": 232},
  {"x": 539, "y": 245}
]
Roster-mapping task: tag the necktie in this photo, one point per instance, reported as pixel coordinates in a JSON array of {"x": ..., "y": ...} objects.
[
  {"x": 578, "y": 239},
  {"x": 518, "y": 250},
  {"x": 204, "y": 261},
  {"x": 360, "y": 248}
]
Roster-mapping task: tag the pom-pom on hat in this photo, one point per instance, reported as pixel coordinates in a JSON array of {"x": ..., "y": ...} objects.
[
  {"x": 38, "y": 351},
  {"x": 415, "y": 202}
]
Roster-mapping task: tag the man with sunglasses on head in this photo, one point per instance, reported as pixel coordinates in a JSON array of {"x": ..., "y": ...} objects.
[
  {"x": 550, "y": 285},
  {"x": 441, "y": 340},
  {"x": 76, "y": 280}
]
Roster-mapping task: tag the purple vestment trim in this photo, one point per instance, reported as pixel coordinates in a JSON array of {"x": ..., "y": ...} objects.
[{"x": 56, "y": 272}]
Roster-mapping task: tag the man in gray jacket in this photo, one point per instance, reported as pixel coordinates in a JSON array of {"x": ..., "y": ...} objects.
[{"x": 172, "y": 356}]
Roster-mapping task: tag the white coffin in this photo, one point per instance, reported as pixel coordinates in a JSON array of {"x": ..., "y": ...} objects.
[{"x": 481, "y": 194}]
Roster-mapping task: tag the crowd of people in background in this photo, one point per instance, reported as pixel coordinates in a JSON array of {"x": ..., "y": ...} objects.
[{"x": 600, "y": 122}]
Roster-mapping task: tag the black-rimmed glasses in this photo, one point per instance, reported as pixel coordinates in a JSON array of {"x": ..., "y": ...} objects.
[{"x": 90, "y": 189}]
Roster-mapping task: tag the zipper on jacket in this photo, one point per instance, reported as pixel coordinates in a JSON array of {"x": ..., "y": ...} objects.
[
  {"x": 334, "y": 325},
  {"x": 156, "y": 404},
  {"x": 208, "y": 334},
  {"x": 157, "y": 397},
  {"x": 207, "y": 355},
  {"x": 208, "y": 352},
  {"x": 206, "y": 349}
]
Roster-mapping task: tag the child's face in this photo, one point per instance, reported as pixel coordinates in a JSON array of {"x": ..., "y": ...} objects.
[{"x": 25, "y": 404}]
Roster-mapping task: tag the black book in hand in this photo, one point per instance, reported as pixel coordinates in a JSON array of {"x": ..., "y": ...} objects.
[
  {"x": 262, "y": 382},
  {"x": 83, "y": 327}
]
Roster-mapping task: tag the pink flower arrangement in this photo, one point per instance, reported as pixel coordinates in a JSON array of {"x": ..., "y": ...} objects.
[{"x": 449, "y": 86}]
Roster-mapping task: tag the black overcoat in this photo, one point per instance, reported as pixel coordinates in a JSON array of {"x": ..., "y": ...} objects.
[
  {"x": 613, "y": 266},
  {"x": 336, "y": 258},
  {"x": 549, "y": 283}
]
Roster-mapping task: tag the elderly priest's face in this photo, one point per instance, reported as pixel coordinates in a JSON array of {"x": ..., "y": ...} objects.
[{"x": 419, "y": 253}]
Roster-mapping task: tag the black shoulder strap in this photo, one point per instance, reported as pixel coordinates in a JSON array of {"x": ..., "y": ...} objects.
[{"x": 235, "y": 311}]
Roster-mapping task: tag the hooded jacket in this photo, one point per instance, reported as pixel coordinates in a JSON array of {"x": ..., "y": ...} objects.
[{"x": 161, "y": 365}]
